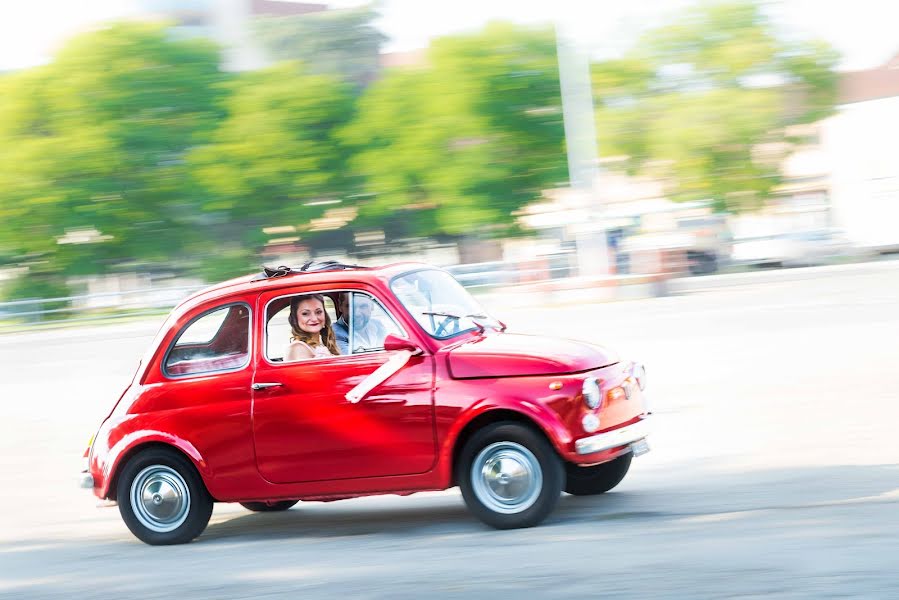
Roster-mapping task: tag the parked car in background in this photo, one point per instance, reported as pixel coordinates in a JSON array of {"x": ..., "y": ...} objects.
[
  {"x": 445, "y": 397},
  {"x": 794, "y": 249},
  {"x": 688, "y": 239},
  {"x": 708, "y": 247}
]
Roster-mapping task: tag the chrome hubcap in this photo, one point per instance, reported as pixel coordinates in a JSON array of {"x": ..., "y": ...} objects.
[
  {"x": 160, "y": 498},
  {"x": 506, "y": 477}
]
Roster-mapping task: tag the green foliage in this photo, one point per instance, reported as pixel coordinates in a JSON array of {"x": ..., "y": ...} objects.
[
  {"x": 133, "y": 149},
  {"x": 695, "y": 101},
  {"x": 95, "y": 142},
  {"x": 274, "y": 157},
  {"x": 36, "y": 286},
  {"x": 454, "y": 147},
  {"x": 342, "y": 43}
]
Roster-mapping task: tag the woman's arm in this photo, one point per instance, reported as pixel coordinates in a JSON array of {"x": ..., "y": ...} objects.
[{"x": 297, "y": 351}]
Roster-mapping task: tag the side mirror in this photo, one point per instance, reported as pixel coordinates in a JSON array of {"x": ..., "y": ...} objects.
[{"x": 395, "y": 342}]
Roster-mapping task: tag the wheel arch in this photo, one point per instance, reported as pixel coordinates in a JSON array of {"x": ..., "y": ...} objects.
[
  {"x": 489, "y": 417},
  {"x": 181, "y": 447}
]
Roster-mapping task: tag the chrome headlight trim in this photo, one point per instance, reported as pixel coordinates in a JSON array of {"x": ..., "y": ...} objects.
[
  {"x": 640, "y": 375},
  {"x": 590, "y": 390}
]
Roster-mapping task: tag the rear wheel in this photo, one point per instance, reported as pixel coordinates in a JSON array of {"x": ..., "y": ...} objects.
[
  {"x": 269, "y": 506},
  {"x": 162, "y": 498},
  {"x": 588, "y": 481},
  {"x": 510, "y": 476}
]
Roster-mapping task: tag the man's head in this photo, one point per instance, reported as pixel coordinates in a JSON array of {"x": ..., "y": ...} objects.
[{"x": 362, "y": 307}]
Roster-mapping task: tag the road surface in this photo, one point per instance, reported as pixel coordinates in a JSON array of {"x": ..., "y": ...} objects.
[{"x": 774, "y": 471}]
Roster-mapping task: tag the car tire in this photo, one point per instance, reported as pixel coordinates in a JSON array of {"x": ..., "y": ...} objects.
[
  {"x": 269, "y": 506},
  {"x": 510, "y": 476},
  {"x": 162, "y": 498},
  {"x": 598, "y": 479}
]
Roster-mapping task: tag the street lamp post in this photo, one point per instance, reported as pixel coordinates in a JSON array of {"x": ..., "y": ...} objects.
[{"x": 583, "y": 154}]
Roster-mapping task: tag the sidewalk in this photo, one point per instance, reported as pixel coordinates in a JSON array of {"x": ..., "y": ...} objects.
[
  {"x": 637, "y": 287},
  {"x": 888, "y": 266}
]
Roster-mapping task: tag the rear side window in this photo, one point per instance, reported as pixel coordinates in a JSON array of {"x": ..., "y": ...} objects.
[{"x": 217, "y": 340}]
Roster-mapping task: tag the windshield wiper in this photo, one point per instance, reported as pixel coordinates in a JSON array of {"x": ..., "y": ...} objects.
[
  {"x": 443, "y": 314},
  {"x": 439, "y": 330}
]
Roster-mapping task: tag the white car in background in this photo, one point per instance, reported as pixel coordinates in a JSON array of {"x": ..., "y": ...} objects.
[{"x": 794, "y": 249}]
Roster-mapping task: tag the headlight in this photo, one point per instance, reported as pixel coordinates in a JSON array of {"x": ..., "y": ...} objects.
[
  {"x": 640, "y": 375},
  {"x": 590, "y": 390},
  {"x": 590, "y": 422}
]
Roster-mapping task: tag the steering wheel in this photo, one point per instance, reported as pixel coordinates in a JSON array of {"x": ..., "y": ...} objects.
[{"x": 444, "y": 325}]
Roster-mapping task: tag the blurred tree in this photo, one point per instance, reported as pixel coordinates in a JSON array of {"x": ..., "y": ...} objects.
[
  {"x": 452, "y": 148},
  {"x": 343, "y": 42},
  {"x": 273, "y": 161},
  {"x": 92, "y": 147},
  {"x": 705, "y": 102}
]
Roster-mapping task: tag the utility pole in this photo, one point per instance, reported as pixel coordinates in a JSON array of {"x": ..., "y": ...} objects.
[{"x": 583, "y": 153}]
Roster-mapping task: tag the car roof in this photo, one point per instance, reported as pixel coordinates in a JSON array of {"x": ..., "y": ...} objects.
[{"x": 260, "y": 282}]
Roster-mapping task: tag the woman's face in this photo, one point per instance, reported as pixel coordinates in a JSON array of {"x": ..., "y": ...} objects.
[{"x": 311, "y": 315}]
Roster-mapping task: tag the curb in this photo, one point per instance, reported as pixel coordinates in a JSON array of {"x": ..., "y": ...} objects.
[
  {"x": 640, "y": 287},
  {"x": 704, "y": 282}
]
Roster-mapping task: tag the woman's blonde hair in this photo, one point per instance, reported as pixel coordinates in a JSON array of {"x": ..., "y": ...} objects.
[{"x": 328, "y": 339}]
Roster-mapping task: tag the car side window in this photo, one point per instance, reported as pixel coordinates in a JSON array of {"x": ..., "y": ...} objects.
[
  {"x": 370, "y": 324},
  {"x": 217, "y": 340}
]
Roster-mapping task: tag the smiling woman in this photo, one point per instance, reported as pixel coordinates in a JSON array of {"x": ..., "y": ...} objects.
[{"x": 312, "y": 335}]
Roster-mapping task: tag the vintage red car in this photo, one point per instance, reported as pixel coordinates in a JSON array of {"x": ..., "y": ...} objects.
[{"x": 429, "y": 393}]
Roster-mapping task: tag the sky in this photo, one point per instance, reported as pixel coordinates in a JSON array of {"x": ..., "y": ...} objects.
[{"x": 864, "y": 31}]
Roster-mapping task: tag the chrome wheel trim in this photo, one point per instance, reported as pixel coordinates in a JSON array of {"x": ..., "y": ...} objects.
[
  {"x": 160, "y": 498},
  {"x": 506, "y": 477}
]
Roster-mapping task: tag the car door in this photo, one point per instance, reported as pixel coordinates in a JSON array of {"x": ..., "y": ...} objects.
[
  {"x": 306, "y": 430},
  {"x": 200, "y": 391}
]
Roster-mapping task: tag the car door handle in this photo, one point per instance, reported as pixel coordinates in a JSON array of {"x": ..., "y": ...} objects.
[{"x": 265, "y": 386}]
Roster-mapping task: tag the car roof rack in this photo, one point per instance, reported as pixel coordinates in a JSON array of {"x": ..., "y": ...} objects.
[{"x": 309, "y": 267}]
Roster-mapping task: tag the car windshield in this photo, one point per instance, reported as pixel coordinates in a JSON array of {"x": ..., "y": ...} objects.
[{"x": 440, "y": 304}]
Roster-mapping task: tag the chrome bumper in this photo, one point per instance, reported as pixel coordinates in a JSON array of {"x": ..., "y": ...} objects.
[
  {"x": 612, "y": 439},
  {"x": 86, "y": 480}
]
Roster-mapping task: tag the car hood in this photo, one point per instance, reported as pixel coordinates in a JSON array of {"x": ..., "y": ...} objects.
[{"x": 512, "y": 354}]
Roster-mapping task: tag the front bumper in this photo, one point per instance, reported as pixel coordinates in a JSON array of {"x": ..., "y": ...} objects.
[{"x": 613, "y": 439}]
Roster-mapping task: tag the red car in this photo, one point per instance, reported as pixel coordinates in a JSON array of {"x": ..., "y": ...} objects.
[{"x": 426, "y": 392}]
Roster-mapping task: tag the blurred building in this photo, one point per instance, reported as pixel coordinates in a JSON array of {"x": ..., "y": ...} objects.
[
  {"x": 840, "y": 188},
  {"x": 801, "y": 202},
  {"x": 639, "y": 220},
  {"x": 408, "y": 59},
  {"x": 861, "y": 143},
  {"x": 843, "y": 175},
  {"x": 228, "y": 22}
]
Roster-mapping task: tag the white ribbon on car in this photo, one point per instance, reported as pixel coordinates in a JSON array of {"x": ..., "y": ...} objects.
[{"x": 379, "y": 376}]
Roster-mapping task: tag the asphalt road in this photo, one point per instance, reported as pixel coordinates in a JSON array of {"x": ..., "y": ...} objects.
[{"x": 774, "y": 471}]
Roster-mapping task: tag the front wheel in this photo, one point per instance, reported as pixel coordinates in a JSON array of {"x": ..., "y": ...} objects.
[
  {"x": 510, "y": 476},
  {"x": 269, "y": 506},
  {"x": 598, "y": 479},
  {"x": 162, "y": 498}
]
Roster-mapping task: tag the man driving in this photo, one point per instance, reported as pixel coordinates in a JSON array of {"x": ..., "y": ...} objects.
[{"x": 368, "y": 333}]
